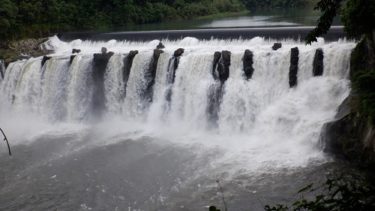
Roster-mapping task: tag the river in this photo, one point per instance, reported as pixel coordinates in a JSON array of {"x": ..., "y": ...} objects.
[{"x": 165, "y": 130}]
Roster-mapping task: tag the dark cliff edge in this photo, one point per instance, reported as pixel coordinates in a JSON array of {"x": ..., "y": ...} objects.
[{"x": 352, "y": 135}]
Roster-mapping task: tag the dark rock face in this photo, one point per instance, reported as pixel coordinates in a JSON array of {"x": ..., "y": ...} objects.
[
  {"x": 349, "y": 136},
  {"x": 248, "y": 64},
  {"x": 172, "y": 68},
  {"x": 45, "y": 59},
  {"x": 318, "y": 66},
  {"x": 2, "y": 69},
  {"x": 220, "y": 72},
  {"x": 352, "y": 135},
  {"x": 71, "y": 58},
  {"x": 160, "y": 46},
  {"x": 128, "y": 63},
  {"x": 215, "y": 95},
  {"x": 179, "y": 52},
  {"x": 217, "y": 56},
  {"x": 221, "y": 65},
  {"x": 293, "y": 70},
  {"x": 99, "y": 66},
  {"x": 76, "y": 51},
  {"x": 150, "y": 77},
  {"x": 276, "y": 46}
]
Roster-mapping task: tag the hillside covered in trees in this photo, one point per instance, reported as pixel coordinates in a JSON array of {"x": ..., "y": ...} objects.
[
  {"x": 40, "y": 17},
  {"x": 256, "y": 4},
  {"x": 36, "y": 18}
]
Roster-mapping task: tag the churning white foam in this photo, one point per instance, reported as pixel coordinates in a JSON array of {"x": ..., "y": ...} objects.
[{"x": 263, "y": 124}]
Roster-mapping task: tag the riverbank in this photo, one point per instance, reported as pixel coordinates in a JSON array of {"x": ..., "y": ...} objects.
[
  {"x": 25, "y": 48},
  {"x": 352, "y": 135}
]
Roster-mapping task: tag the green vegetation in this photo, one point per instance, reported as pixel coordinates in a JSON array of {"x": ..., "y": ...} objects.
[
  {"x": 345, "y": 192},
  {"x": 363, "y": 78},
  {"x": 36, "y": 18},
  {"x": 257, "y": 4},
  {"x": 357, "y": 15}
]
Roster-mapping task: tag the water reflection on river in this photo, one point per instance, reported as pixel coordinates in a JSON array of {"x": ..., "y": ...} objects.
[{"x": 260, "y": 18}]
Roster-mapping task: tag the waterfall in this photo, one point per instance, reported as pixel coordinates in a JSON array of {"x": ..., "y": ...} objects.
[{"x": 227, "y": 88}]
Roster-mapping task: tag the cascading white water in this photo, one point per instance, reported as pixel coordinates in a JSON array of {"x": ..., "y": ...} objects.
[{"x": 261, "y": 119}]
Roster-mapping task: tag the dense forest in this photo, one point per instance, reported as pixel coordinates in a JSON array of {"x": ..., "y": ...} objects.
[
  {"x": 40, "y": 17},
  {"x": 256, "y": 4},
  {"x": 35, "y": 18}
]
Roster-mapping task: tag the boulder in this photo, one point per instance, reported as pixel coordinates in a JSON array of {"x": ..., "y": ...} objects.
[
  {"x": 178, "y": 52},
  {"x": 160, "y": 46},
  {"x": 76, "y": 51},
  {"x": 104, "y": 50},
  {"x": 293, "y": 70},
  {"x": 276, "y": 46},
  {"x": 248, "y": 64},
  {"x": 224, "y": 65},
  {"x": 350, "y": 137},
  {"x": 318, "y": 66}
]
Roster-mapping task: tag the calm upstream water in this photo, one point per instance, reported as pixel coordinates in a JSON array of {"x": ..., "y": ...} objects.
[
  {"x": 261, "y": 18},
  {"x": 151, "y": 130}
]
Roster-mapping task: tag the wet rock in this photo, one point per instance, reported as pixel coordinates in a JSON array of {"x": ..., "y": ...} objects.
[
  {"x": 293, "y": 70},
  {"x": 76, "y": 51},
  {"x": 224, "y": 65},
  {"x": 128, "y": 63},
  {"x": 45, "y": 59},
  {"x": 150, "y": 74},
  {"x": 15, "y": 50},
  {"x": 2, "y": 69},
  {"x": 132, "y": 54},
  {"x": 23, "y": 57},
  {"x": 221, "y": 65},
  {"x": 176, "y": 61},
  {"x": 318, "y": 66},
  {"x": 217, "y": 56},
  {"x": 71, "y": 59},
  {"x": 171, "y": 74},
  {"x": 350, "y": 136},
  {"x": 104, "y": 50},
  {"x": 179, "y": 52},
  {"x": 215, "y": 96},
  {"x": 100, "y": 63},
  {"x": 248, "y": 64},
  {"x": 276, "y": 46},
  {"x": 160, "y": 46}
]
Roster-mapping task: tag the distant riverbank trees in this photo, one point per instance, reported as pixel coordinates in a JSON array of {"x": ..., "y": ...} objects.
[
  {"x": 267, "y": 4},
  {"x": 35, "y": 18}
]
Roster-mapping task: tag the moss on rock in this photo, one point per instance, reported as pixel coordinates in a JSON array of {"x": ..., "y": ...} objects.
[{"x": 15, "y": 50}]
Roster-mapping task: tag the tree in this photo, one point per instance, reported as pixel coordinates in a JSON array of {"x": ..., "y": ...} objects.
[
  {"x": 358, "y": 17},
  {"x": 8, "y": 14}
]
